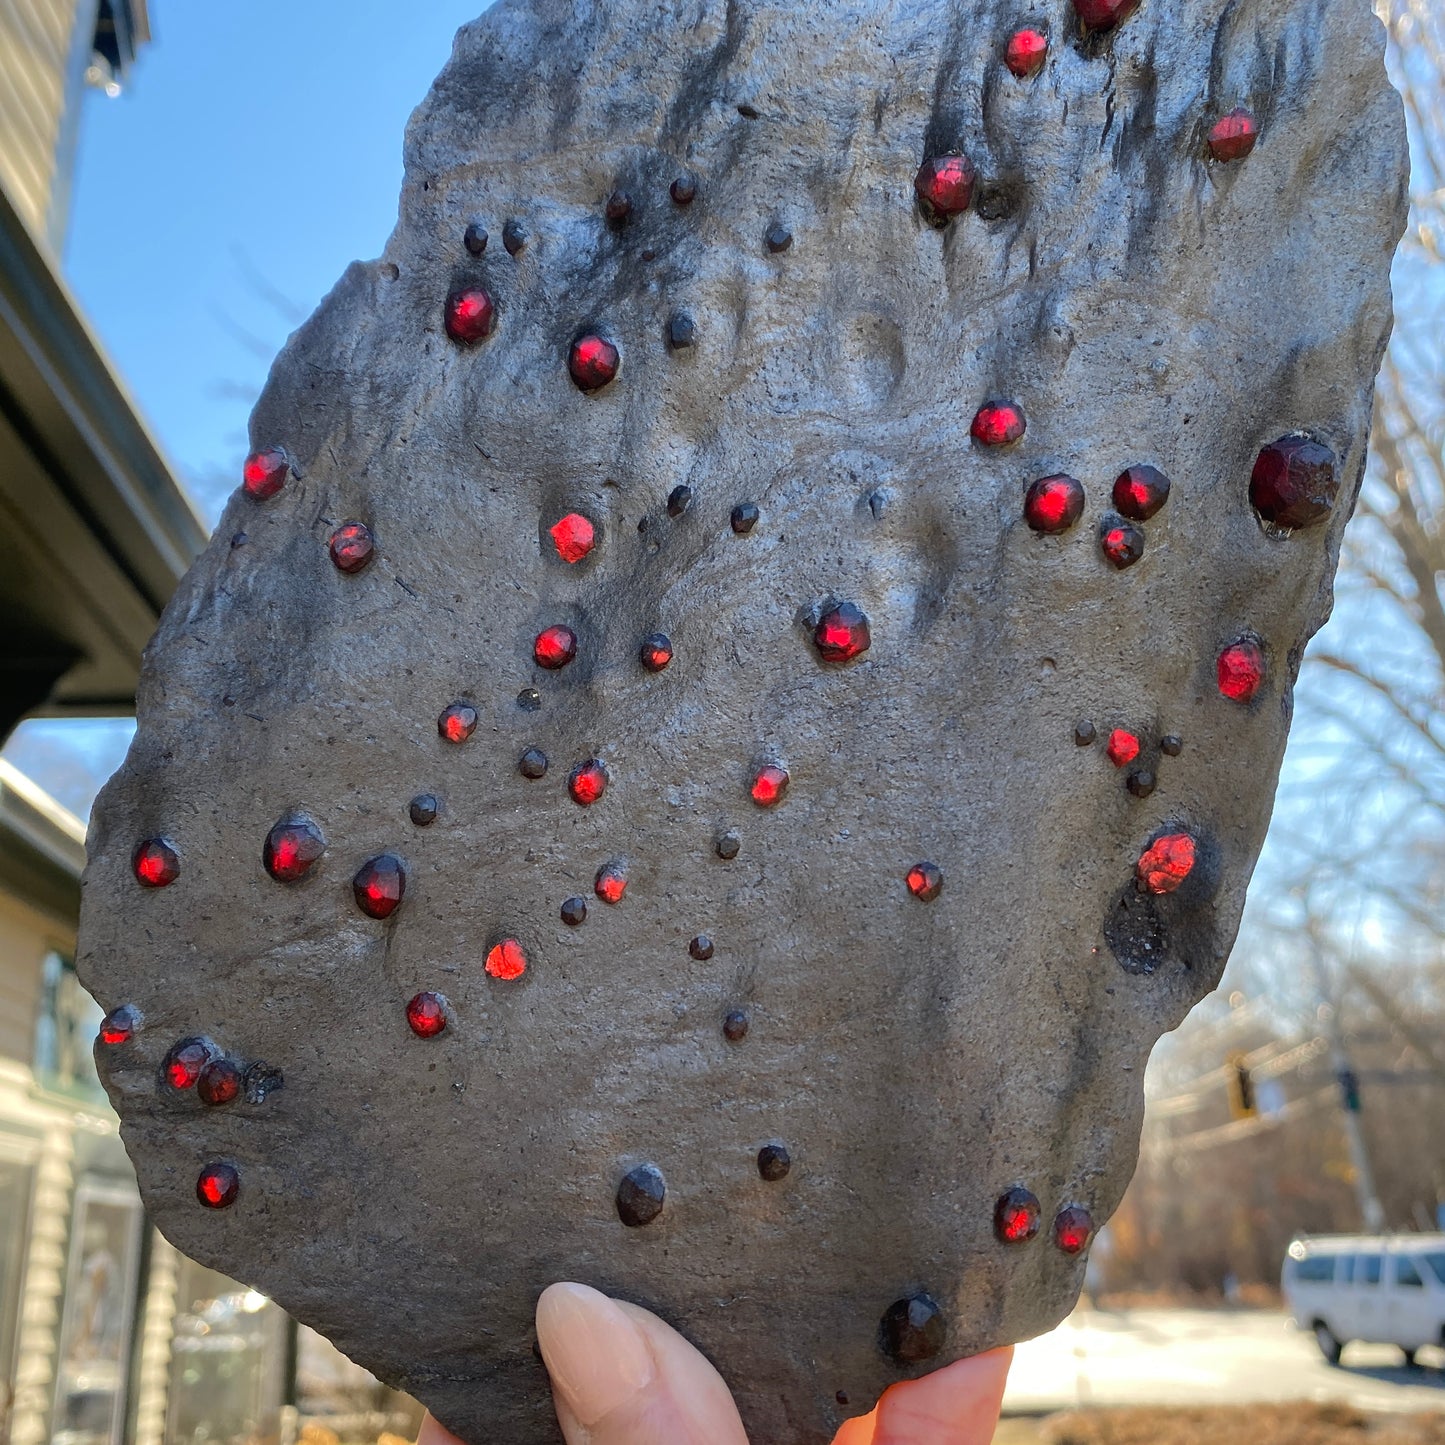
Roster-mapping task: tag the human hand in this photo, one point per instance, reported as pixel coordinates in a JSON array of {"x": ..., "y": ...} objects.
[{"x": 622, "y": 1377}]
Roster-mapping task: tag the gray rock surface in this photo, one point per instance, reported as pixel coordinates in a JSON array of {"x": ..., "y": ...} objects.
[{"x": 1141, "y": 302}]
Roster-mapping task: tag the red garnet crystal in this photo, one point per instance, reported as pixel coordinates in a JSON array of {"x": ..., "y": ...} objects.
[
  {"x": 1122, "y": 542},
  {"x": 266, "y": 471},
  {"x": 1026, "y": 52},
  {"x": 769, "y": 784},
  {"x": 587, "y": 782},
  {"x": 1166, "y": 862},
  {"x": 156, "y": 863},
  {"x": 593, "y": 362},
  {"x": 1123, "y": 747},
  {"x": 506, "y": 961},
  {"x": 427, "y": 1015},
  {"x": 120, "y": 1024},
  {"x": 842, "y": 634},
  {"x": 458, "y": 722},
  {"x": 945, "y": 186},
  {"x": 1016, "y": 1217},
  {"x": 574, "y": 537},
  {"x": 469, "y": 316},
  {"x": 1104, "y": 14},
  {"x": 218, "y": 1185},
  {"x": 1294, "y": 482},
  {"x": 379, "y": 885},
  {"x": 1139, "y": 492},
  {"x": 656, "y": 652},
  {"x": 1073, "y": 1229},
  {"x": 292, "y": 846},
  {"x": 1053, "y": 504},
  {"x": 555, "y": 647},
  {"x": 997, "y": 424},
  {"x": 352, "y": 546},
  {"x": 610, "y": 883},
  {"x": 1232, "y": 137},
  {"x": 1241, "y": 669},
  {"x": 185, "y": 1061},
  {"x": 219, "y": 1082},
  {"x": 925, "y": 881}
]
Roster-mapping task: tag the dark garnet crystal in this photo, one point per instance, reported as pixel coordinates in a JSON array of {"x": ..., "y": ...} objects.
[
  {"x": 684, "y": 188},
  {"x": 380, "y": 885},
  {"x": 1122, "y": 542},
  {"x": 770, "y": 782},
  {"x": 1084, "y": 733},
  {"x": 997, "y": 424},
  {"x": 1232, "y": 136},
  {"x": 610, "y": 885},
  {"x": 640, "y": 1196},
  {"x": 219, "y": 1082},
  {"x": 457, "y": 722},
  {"x": 469, "y": 316},
  {"x": 774, "y": 1161},
  {"x": 183, "y": 1064},
  {"x": 1104, "y": 14},
  {"x": 1016, "y": 1217},
  {"x": 681, "y": 331},
  {"x": 656, "y": 652},
  {"x": 593, "y": 362},
  {"x": 1053, "y": 504},
  {"x": 778, "y": 239},
  {"x": 944, "y": 186},
  {"x": 155, "y": 863},
  {"x": 424, "y": 809},
  {"x": 120, "y": 1024},
  {"x": 701, "y": 948},
  {"x": 514, "y": 236},
  {"x": 744, "y": 518},
  {"x": 842, "y": 633},
  {"x": 529, "y": 699},
  {"x": 426, "y": 1015},
  {"x": 1140, "y": 783},
  {"x": 352, "y": 546},
  {"x": 291, "y": 847},
  {"x": 574, "y": 912},
  {"x": 728, "y": 845},
  {"x": 1027, "y": 50},
  {"x": 266, "y": 471},
  {"x": 925, "y": 881},
  {"x": 533, "y": 763},
  {"x": 911, "y": 1330},
  {"x": 679, "y": 499},
  {"x": 1241, "y": 670},
  {"x": 1139, "y": 492},
  {"x": 1073, "y": 1229},
  {"x": 1172, "y": 745},
  {"x": 619, "y": 207},
  {"x": 554, "y": 648},
  {"x": 1294, "y": 483},
  {"x": 587, "y": 781},
  {"x": 474, "y": 238},
  {"x": 735, "y": 1026},
  {"x": 218, "y": 1185}
]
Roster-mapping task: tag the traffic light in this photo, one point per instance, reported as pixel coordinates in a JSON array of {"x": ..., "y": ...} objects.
[
  {"x": 1242, "y": 1103},
  {"x": 1350, "y": 1090}
]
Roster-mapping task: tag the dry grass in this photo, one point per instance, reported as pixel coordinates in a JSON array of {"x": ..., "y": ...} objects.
[{"x": 1298, "y": 1424}]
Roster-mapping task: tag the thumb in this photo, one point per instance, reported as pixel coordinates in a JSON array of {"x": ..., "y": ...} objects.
[{"x": 622, "y": 1377}]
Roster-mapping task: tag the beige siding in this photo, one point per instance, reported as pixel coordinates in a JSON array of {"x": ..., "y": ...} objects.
[
  {"x": 36, "y": 49},
  {"x": 26, "y": 936}
]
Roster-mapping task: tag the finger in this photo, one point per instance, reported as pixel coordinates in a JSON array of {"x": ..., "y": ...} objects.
[
  {"x": 622, "y": 1377},
  {"x": 858, "y": 1430},
  {"x": 433, "y": 1433},
  {"x": 957, "y": 1405}
]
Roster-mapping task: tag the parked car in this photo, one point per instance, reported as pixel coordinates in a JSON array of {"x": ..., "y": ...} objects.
[{"x": 1380, "y": 1289}]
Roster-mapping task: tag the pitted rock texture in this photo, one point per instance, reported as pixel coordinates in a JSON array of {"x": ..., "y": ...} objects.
[{"x": 546, "y": 1029}]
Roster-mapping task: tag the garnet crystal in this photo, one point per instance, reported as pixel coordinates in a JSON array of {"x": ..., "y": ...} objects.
[
  {"x": 1166, "y": 862},
  {"x": 1294, "y": 483},
  {"x": 684, "y": 188},
  {"x": 640, "y": 1196},
  {"x": 945, "y": 186},
  {"x": 1232, "y": 136},
  {"x": 587, "y": 782},
  {"x": 219, "y": 1082},
  {"x": 1026, "y": 52},
  {"x": 266, "y": 471},
  {"x": 574, "y": 537},
  {"x": 593, "y": 362},
  {"x": 744, "y": 518},
  {"x": 474, "y": 238},
  {"x": 120, "y": 1024},
  {"x": 656, "y": 652},
  {"x": 1016, "y": 1217},
  {"x": 423, "y": 809},
  {"x": 555, "y": 647},
  {"x": 770, "y": 782},
  {"x": 156, "y": 863},
  {"x": 1139, "y": 492},
  {"x": 997, "y": 424},
  {"x": 911, "y": 1330},
  {"x": 735, "y": 1026},
  {"x": 925, "y": 881},
  {"x": 469, "y": 316},
  {"x": 842, "y": 634},
  {"x": 1104, "y": 14},
  {"x": 1123, "y": 747},
  {"x": 427, "y": 1015},
  {"x": 1140, "y": 783},
  {"x": 352, "y": 546},
  {"x": 611, "y": 882},
  {"x": 774, "y": 1162},
  {"x": 380, "y": 885},
  {"x": 701, "y": 948},
  {"x": 1122, "y": 542},
  {"x": 183, "y": 1065},
  {"x": 1241, "y": 670},
  {"x": 679, "y": 499},
  {"x": 1053, "y": 504},
  {"x": 291, "y": 847},
  {"x": 218, "y": 1185},
  {"x": 506, "y": 960},
  {"x": 574, "y": 912},
  {"x": 618, "y": 207},
  {"x": 1073, "y": 1229},
  {"x": 532, "y": 764}
]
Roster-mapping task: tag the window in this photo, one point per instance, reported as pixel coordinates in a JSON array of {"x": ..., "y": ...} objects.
[
  {"x": 65, "y": 1031},
  {"x": 1367, "y": 1268},
  {"x": 1437, "y": 1266},
  {"x": 1406, "y": 1274},
  {"x": 1347, "y": 1263},
  {"x": 1315, "y": 1269}
]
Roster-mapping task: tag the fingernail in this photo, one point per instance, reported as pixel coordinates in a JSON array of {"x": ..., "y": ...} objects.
[{"x": 595, "y": 1354}]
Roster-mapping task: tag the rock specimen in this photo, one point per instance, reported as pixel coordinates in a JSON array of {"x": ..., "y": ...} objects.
[{"x": 717, "y": 732}]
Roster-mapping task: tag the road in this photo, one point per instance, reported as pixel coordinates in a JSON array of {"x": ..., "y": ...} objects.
[{"x": 1192, "y": 1357}]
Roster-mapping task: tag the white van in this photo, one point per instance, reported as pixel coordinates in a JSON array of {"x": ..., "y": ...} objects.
[{"x": 1387, "y": 1290}]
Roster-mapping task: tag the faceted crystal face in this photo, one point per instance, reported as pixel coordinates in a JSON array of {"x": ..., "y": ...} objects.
[
  {"x": 769, "y": 784},
  {"x": 587, "y": 782},
  {"x": 457, "y": 722},
  {"x": 218, "y": 1185},
  {"x": 574, "y": 912},
  {"x": 185, "y": 1061},
  {"x": 574, "y": 536},
  {"x": 679, "y": 499},
  {"x": 1122, "y": 747},
  {"x": 219, "y": 1082},
  {"x": 1232, "y": 137},
  {"x": 426, "y": 1015},
  {"x": 925, "y": 881},
  {"x": 1017, "y": 1216},
  {"x": 506, "y": 960},
  {"x": 423, "y": 809},
  {"x": 701, "y": 948},
  {"x": 156, "y": 864},
  {"x": 533, "y": 764},
  {"x": 944, "y": 185},
  {"x": 611, "y": 883},
  {"x": 1241, "y": 670},
  {"x": 735, "y": 1026},
  {"x": 998, "y": 424},
  {"x": 656, "y": 652},
  {"x": 1073, "y": 1229},
  {"x": 744, "y": 518},
  {"x": 291, "y": 847},
  {"x": 640, "y": 1196},
  {"x": 1104, "y": 14},
  {"x": 119, "y": 1025},
  {"x": 555, "y": 647},
  {"x": 842, "y": 633},
  {"x": 1294, "y": 483},
  {"x": 912, "y": 1330},
  {"x": 380, "y": 885},
  {"x": 265, "y": 472},
  {"x": 774, "y": 1162},
  {"x": 593, "y": 362},
  {"x": 1053, "y": 504},
  {"x": 1167, "y": 862},
  {"x": 1139, "y": 492},
  {"x": 352, "y": 546},
  {"x": 469, "y": 316},
  {"x": 1027, "y": 50},
  {"x": 1121, "y": 542}
]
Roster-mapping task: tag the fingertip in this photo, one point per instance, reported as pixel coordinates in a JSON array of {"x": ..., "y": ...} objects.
[
  {"x": 957, "y": 1405},
  {"x": 433, "y": 1432}
]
